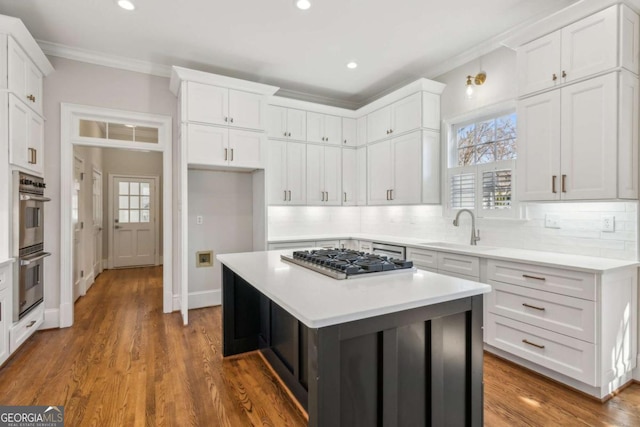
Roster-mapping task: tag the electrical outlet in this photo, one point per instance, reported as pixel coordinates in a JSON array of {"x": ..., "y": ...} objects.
[
  {"x": 199, "y": 219},
  {"x": 608, "y": 223},
  {"x": 551, "y": 221}
]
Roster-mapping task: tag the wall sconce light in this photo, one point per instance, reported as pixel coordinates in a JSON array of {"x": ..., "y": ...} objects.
[{"x": 478, "y": 80}]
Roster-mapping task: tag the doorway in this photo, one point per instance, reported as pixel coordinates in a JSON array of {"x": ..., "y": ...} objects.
[
  {"x": 132, "y": 221},
  {"x": 77, "y": 221}
]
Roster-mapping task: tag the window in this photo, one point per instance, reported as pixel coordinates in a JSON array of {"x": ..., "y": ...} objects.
[
  {"x": 134, "y": 202},
  {"x": 482, "y": 155}
]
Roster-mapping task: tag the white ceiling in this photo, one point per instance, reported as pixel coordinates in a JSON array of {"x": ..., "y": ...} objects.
[{"x": 271, "y": 41}]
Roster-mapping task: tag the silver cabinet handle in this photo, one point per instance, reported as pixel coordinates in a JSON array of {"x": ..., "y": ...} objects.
[
  {"x": 327, "y": 198},
  {"x": 322, "y": 193},
  {"x": 289, "y": 195},
  {"x": 231, "y": 119},
  {"x": 391, "y": 194},
  {"x": 387, "y": 194},
  {"x": 345, "y": 196},
  {"x": 533, "y": 344},
  {"x": 285, "y": 134},
  {"x": 564, "y": 183},
  {"x": 533, "y": 306},
  {"x": 285, "y": 195},
  {"x": 553, "y": 184},
  {"x": 226, "y": 119},
  {"x": 225, "y": 154},
  {"x": 232, "y": 152},
  {"x": 33, "y": 197}
]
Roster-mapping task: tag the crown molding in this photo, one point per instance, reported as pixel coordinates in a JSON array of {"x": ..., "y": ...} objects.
[
  {"x": 106, "y": 60},
  {"x": 180, "y": 74},
  {"x": 316, "y": 107},
  {"x": 304, "y": 97}
]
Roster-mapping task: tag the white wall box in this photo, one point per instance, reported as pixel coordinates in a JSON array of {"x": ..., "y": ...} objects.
[
  {"x": 596, "y": 44},
  {"x": 217, "y": 105},
  {"x": 324, "y": 175},
  {"x": 576, "y": 327},
  {"x": 218, "y": 146},
  {"x": 324, "y": 128},
  {"x": 349, "y": 177},
  {"x": 287, "y": 173},
  {"x": 349, "y": 132},
  {"x": 403, "y": 169},
  {"x": 580, "y": 142},
  {"x": 26, "y": 137},
  {"x": 25, "y": 79},
  {"x": 286, "y": 123}
]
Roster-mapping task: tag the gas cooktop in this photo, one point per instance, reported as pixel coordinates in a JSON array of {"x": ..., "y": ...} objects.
[{"x": 347, "y": 263}]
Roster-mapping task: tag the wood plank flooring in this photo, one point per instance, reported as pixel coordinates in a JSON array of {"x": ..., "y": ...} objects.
[{"x": 124, "y": 363}]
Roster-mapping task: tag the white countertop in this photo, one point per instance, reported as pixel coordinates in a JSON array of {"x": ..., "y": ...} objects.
[
  {"x": 318, "y": 301},
  {"x": 549, "y": 259}
]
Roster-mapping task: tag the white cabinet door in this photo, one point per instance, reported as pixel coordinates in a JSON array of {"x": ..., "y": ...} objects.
[
  {"x": 18, "y": 132},
  {"x": 277, "y": 173},
  {"x": 246, "y": 149},
  {"x": 17, "y": 63},
  {"x": 296, "y": 173},
  {"x": 349, "y": 177},
  {"x": 362, "y": 131},
  {"x": 297, "y": 124},
  {"x": 332, "y": 130},
  {"x": 207, "y": 145},
  {"x": 430, "y": 167},
  {"x": 379, "y": 124},
  {"x": 4, "y": 325},
  {"x": 276, "y": 122},
  {"x": 333, "y": 175},
  {"x": 361, "y": 160},
  {"x": 406, "y": 152},
  {"x": 207, "y": 104},
  {"x": 380, "y": 173},
  {"x": 35, "y": 144},
  {"x": 590, "y": 45},
  {"x": 538, "y": 164},
  {"x": 406, "y": 114},
  {"x": 34, "y": 87},
  {"x": 538, "y": 64},
  {"x": 588, "y": 135},
  {"x": 246, "y": 110},
  {"x": 349, "y": 132},
  {"x": 315, "y": 174},
  {"x": 315, "y": 127}
]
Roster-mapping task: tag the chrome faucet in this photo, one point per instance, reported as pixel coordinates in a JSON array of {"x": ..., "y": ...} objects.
[{"x": 475, "y": 234}]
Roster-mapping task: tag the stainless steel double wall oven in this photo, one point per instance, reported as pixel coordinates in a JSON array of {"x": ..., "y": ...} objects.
[{"x": 28, "y": 242}]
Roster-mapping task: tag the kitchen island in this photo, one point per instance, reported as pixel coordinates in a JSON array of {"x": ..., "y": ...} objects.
[{"x": 401, "y": 349}]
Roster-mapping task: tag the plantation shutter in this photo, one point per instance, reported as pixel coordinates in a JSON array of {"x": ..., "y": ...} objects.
[{"x": 462, "y": 190}]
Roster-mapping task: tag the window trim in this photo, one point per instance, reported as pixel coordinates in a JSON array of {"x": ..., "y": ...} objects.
[{"x": 450, "y": 151}]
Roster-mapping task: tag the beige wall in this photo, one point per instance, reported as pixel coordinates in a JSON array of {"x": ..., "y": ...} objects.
[{"x": 87, "y": 84}]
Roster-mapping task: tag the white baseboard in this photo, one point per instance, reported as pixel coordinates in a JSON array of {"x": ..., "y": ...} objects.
[
  {"x": 51, "y": 318},
  {"x": 636, "y": 371},
  {"x": 91, "y": 278},
  {"x": 176, "y": 302},
  {"x": 66, "y": 315},
  {"x": 205, "y": 299}
]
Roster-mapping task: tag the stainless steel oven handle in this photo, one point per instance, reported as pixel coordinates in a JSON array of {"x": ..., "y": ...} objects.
[
  {"x": 37, "y": 257},
  {"x": 36, "y": 198}
]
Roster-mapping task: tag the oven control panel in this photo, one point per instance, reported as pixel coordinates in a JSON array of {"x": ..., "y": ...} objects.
[{"x": 31, "y": 184}]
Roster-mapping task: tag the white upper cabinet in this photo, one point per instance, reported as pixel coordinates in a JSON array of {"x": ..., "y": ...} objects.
[
  {"x": 324, "y": 128},
  {"x": 324, "y": 175},
  {"x": 286, "y": 180},
  {"x": 400, "y": 117},
  {"x": 361, "y": 179},
  {"x": 595, "y": 44},
  {"x": 349, "y": 132},
  {"x": 349, "y": 177},
  {"x": 287, "y": 123},
  {"x": 362, "y": 131},
  {"x": 567, "y": 145},
  {"x": 219, "y": 146},
  {"x": 222, "y": 106},
  {"x": 25, "y": 79},
  {"x": 26, "y": 137}
]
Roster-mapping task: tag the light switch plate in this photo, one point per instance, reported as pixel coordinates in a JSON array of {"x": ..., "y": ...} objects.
[
  {"x": 199, "y": 219},
  {"x": 608, "y": 223}
]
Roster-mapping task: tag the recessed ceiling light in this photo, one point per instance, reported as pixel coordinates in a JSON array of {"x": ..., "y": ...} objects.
[
  {"x": 303, "y": 4},
  {"x": 126, "y": 4},
  {"x": 352, "y": 65}
]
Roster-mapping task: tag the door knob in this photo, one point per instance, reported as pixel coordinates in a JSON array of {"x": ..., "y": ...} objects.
[{"x": 117, "y": 226}]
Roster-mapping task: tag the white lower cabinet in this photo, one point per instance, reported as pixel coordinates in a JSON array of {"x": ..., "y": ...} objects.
[
  {"x": 580, "y": 325},
  {"x": 447, "y": 263},
  {"x": 26, "y": 327}
]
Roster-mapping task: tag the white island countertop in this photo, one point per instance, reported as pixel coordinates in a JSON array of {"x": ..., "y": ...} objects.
[{"x": 318, "y": 300}]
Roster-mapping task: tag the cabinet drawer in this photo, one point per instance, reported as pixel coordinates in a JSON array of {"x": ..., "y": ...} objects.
[
  {"x": 20, "y": 332},
  {"x": 566, "y": 282},
  {"x": 291, "y": 245},
  {"x": 365, "y": 246},
  {"x": 423, "y": 258},
  {"x": 570, "y": 316},
  {"x": 460, "y": 264},
  {"x": 568, "y": 356}
]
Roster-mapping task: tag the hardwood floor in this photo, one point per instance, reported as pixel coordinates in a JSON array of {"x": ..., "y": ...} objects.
[{"x": 125, "y": 363}]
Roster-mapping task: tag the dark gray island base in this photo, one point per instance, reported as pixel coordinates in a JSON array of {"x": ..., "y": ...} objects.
[{"x": 417, "y": 367}]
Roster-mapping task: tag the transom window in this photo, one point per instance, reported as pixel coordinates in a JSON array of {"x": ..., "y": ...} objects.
[
  {"x": 482, "y": 155},
  {"x": 134, "y": 202}
]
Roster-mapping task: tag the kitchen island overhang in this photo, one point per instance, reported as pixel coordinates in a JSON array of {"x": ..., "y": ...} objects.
[{"x": 401, "y": 349}]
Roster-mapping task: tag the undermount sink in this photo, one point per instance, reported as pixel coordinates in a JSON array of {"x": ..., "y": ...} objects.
[{"x": 459, "y": 246}]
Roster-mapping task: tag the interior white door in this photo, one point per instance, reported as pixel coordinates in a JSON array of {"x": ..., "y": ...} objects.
[
  {"x": 134, "y": 239},
  {"x": 76, "y": 220},
  {"x": 97, "y": 221}
]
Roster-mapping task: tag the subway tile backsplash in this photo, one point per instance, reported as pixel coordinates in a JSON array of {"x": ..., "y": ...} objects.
[{"x": 579, "y": 225}]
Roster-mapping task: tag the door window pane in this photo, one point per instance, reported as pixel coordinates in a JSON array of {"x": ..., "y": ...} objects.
[
  {"x": 120, "y": 132},
  {"x": 144, "y": 188},
  {"x": 144, "y": 202},
  {"x": 134, "y": 216},
  {"x": 124, "y": 202},
  {"x": 135, "y": 188},
  {"x": 134, "y": 202},
  {"x": 145, "y": 134},
  {"x": 123, "y": 215},
  {"x": 144, "y": 216},
  {"x": 92, "y": 129},
  {"x": 124, "y": 188}
]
